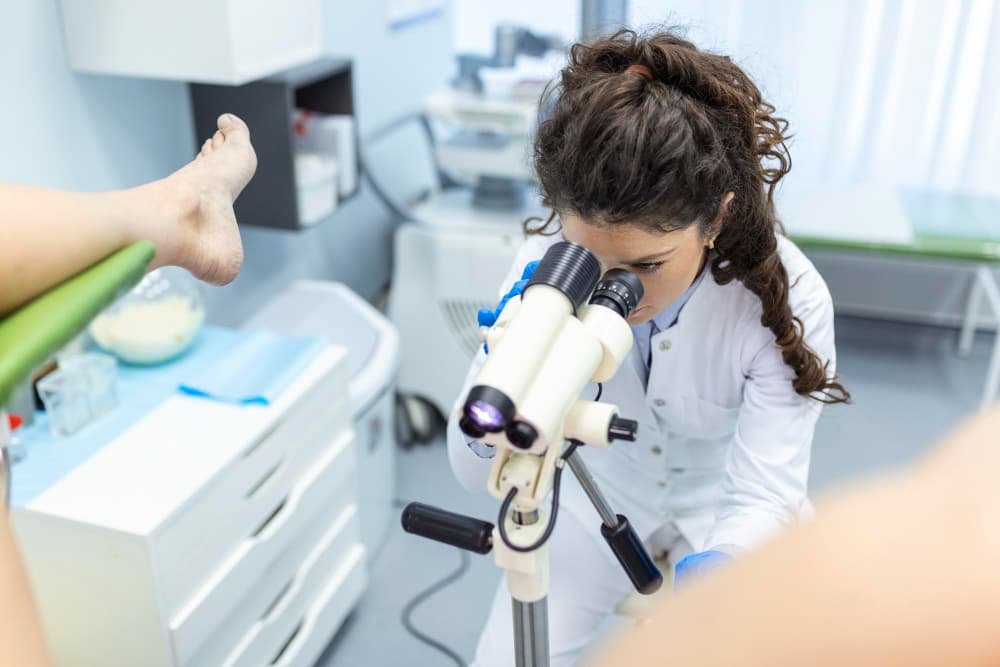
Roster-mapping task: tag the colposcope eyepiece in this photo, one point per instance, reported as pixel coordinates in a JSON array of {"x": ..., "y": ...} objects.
[
  {"x": 486, "y": 410},
  {"x": 619, "y": 290},
  {"x": 571, "y": 269},
  {"x": 522, "y": 435}
]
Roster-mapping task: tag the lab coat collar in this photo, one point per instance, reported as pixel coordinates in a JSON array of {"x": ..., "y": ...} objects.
[{"x": 669, "y": 316}]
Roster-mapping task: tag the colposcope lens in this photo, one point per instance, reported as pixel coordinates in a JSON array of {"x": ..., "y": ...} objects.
[
  {"x": 484, "y": 415},
  {"x": 488, "y": 409}
]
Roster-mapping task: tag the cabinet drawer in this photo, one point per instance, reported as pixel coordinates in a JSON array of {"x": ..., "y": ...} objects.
[
  {"x": 240, "y": 501},
  {"x": 273, "y": 553},
  {"x": 311, "y": 635},
  {"x": 334, "y": 570}
]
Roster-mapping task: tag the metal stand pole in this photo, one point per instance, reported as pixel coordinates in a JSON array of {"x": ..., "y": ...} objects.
[
  {"x": 608, "y": 516},
  {"x": 531, "y": 633}
]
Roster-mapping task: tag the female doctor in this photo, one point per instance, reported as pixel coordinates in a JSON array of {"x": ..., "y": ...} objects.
[{"x": 663, "y": 159}]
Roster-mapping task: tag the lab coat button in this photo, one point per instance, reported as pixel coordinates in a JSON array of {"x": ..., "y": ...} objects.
[
  {"x": 664, "y": 345},
  {"x": 656, "y": 449},
  {"x": 659, "y": 402},
  {"x": 662, "y": 483}
]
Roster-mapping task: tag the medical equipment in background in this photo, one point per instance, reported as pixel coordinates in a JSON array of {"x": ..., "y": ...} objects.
[
  {"x": 460, "y": 241},
  {"x": 447, "y": 265},
  {"x": 331, "y": 310},
  {"x": 488, "y": 129},
  {"x": 567, "y": 329}
]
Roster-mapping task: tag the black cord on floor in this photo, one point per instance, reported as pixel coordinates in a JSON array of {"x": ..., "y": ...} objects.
[
  {"x": 407, "y": 621},
  {"x": 405, "y": 616}
]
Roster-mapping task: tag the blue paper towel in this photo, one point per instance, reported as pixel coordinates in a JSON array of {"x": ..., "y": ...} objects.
[
  {"x": 256, "y": 370},
  {"x": 141, "y": 389}
]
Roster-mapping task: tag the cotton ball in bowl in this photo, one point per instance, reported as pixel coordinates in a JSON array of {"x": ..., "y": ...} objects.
[{"x": 155, "y": 322}]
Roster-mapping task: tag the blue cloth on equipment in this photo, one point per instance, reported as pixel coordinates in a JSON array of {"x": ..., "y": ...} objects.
[
  {"x": 256, "y": 370},
  {"x": 698, "y": 564}
]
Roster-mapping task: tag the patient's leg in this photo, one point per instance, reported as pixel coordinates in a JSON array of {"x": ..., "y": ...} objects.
[
  {"x": 50, "y": 235},
  {"x": 900, "y": 570}
]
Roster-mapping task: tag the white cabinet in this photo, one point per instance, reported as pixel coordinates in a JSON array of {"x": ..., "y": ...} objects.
[
  {"x": 206, "y": 534},
  {"x": 209, "y": 41}
]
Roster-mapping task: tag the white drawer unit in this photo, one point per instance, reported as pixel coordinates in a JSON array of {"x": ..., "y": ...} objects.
[{"x": 206, "y": 534}]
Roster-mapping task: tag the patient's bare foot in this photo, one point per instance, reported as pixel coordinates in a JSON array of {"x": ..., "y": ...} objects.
[{"x": 207, "y": 241}]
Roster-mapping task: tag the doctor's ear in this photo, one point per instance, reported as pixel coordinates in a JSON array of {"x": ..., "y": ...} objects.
[{"x": 716, "y": 226}]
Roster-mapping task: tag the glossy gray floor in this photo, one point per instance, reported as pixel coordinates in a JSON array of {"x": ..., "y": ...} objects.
[{"x": 908, "y": 385}]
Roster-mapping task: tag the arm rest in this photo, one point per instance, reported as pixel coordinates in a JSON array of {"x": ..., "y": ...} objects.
[{"x": 32, "y": 334}]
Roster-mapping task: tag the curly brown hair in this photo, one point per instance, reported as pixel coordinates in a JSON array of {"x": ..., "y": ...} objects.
[{"x": 660, "y": 149}]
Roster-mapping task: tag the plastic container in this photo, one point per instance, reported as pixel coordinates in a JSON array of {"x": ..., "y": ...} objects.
[
  {"x": 331, "y": 135},
  {"x": 79, "y": 391},
  {"x": 15, "y": 448},
  {"x": 316, "y": 183},
  {"x": 155, "y": 322}
]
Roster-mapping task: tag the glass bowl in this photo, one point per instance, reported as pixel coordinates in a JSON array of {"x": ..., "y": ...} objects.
[{"x": 155, "y": 322}]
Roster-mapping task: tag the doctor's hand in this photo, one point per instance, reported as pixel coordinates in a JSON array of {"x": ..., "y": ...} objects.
[
  {"x": 692, "y": 567},
  {"x": 487, "y": 317}
]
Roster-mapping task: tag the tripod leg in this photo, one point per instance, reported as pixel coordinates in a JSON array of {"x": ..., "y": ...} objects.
[{"x": 531, "y": 633}]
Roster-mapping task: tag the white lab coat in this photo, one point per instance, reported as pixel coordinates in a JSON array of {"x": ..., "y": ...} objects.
[{"x": 724, "y": 441}]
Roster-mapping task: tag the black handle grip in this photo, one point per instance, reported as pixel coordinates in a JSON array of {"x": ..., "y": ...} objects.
[
  {"x": 457, "y": 530},
  {"x": 632, "y": 555}
]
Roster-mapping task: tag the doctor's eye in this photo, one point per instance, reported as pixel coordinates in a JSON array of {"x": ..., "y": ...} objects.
[{"x": 647, "y": 267}]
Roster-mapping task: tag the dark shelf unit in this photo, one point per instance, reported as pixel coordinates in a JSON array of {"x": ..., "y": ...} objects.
[{"x": 267, "y": 106}]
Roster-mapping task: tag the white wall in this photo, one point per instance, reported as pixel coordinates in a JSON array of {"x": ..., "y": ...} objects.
[{"x": 84, "y": 132}]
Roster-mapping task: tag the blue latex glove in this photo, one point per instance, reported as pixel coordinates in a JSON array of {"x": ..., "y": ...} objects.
[
  {"x": 694, "y": 566},
  {"x": 487, "y": 317}
]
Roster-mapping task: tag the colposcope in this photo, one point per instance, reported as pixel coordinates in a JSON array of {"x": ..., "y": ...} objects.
[{"x": 566, "y": 330}]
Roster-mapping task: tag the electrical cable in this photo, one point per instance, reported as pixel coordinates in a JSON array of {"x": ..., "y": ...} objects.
[
  {"x": 556, "y": 482},
  {"x": 406, "y": 615}
]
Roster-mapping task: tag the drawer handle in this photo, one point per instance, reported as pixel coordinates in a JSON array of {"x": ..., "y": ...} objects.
[
  {"x": 255, "y": 489},
  {"x": 263, "y": 438},
  {"x": 278, "y": 599},
  {"x": 270, "y": 517},
  {"x": 288, "y": 642}
]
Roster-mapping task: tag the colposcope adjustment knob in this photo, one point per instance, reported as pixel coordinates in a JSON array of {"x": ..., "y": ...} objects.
[
  {"x": 623, "y": 429},
  {"x": 470, "y": 428},
  {"x": 522, "y": 435}
]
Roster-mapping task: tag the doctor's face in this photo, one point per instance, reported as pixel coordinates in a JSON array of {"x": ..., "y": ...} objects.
[{"x": 666, "y": 262}]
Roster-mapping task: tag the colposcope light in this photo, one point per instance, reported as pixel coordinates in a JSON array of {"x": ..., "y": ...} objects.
[{"x": 485, "y": 416}]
